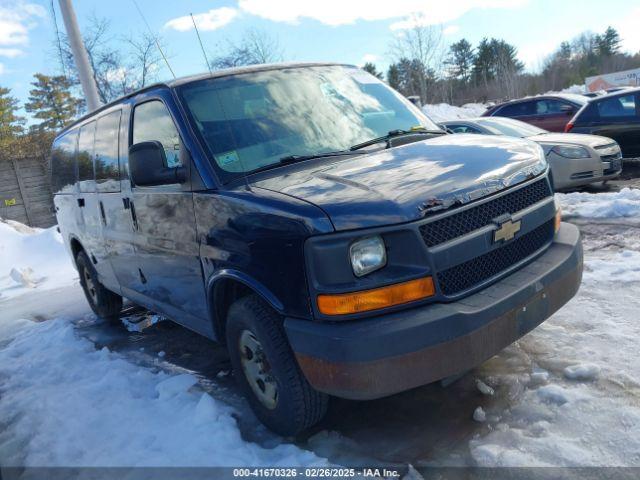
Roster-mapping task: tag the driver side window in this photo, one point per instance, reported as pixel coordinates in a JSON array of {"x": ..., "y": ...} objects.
[{"x": 152, "y": 121}]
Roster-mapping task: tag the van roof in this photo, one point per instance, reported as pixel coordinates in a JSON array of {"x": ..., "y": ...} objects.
[{"x": 225, "y": 72}]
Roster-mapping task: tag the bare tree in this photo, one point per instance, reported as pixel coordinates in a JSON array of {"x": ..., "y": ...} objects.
[
  {"x": 424, "y": 46},
  {"x": 254, "y": 47},
  {"x": 145, "y": 58},
  {"x": 120, "y": 65}
]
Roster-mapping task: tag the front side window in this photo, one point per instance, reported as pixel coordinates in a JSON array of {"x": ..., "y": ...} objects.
[
  {"x": 253, "y": 120},
  {"x": 106, "y": 153},
  {"x": 551, "y": 107},
  {"x": 63, "y": 163},
  {"x": 86, "y": 138},
  {"x": 152, "y": 121}
]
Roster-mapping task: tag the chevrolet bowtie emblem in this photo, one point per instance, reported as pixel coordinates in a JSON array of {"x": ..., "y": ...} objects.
[{"x": 506, "y": 231}]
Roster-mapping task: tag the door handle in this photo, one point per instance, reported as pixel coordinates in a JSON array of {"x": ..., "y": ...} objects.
[
  {"x": 126, "y": 202},
  {"x": 81, "y": 202},
  {"x": 102, "y": 215},
  {"x": 133, "y": 215}
]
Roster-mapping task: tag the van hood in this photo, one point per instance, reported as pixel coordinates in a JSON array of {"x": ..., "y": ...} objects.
[{"x": 407, "y": 183}]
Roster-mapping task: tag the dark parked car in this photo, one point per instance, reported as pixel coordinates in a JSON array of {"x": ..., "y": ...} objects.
[
  {"x": 615, "y": 116},
  {"x": 318, "y": 224},
  {"x": 551, "y": 112},
  {"x": 574, "y": 159}
]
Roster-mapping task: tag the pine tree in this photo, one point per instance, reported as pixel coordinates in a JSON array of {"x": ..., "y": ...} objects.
[
  {"x": 51, "y": 101},
  {"x": 461, "y": 60},
  {"x": 371, "y": 68},
  {"x": 482, "y": 66},
  {"x": 10, "y": 123},
  {"x": 608, "y": 43},
  {"x": 393, "y": 76}
]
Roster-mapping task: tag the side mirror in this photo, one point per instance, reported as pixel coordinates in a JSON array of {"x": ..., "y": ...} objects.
[{"x": 148, "y": 165}]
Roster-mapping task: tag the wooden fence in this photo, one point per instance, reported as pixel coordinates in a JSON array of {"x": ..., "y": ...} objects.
[{"x": 25, "y": 192}]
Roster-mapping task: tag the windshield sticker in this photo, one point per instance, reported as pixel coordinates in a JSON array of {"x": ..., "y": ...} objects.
[{"x": 227, "y": 158}]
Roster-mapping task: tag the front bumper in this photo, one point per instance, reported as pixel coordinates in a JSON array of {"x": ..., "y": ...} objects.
[
  {"x": 571, "y": 173},
  {"x": 380, "y": 356}
]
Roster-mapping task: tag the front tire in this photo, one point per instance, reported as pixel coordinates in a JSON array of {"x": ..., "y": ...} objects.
[
  {"x": 267, "y": 370},
  {"x": 103, "y": 302}
]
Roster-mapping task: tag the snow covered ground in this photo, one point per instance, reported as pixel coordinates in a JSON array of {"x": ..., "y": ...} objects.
[{"x": 567, "y": 394}]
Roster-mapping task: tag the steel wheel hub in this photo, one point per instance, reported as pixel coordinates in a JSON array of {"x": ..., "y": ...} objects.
[
  {"x": 257, "y": 370},
  {"x": 91, "y": 288}
]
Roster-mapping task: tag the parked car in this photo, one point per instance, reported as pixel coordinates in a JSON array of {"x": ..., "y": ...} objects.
[
  {"x": 616, "y": 116},
  {"x": 318, "y": 224},
  {"x": 575, "y": 160},
  {"x": 551, "y": 112}
]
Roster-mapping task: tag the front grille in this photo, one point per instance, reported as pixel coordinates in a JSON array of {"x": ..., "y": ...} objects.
[
  {"x": 471, "y": 219},
  {"x": 464, "y": 276}
]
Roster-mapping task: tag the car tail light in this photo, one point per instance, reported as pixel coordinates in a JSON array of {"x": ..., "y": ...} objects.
[
  {"x": 366, "y": 300},
  {"x": 568, "y": 127}
]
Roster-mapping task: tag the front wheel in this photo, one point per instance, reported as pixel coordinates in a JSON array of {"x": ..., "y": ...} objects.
[
  {"x": 103, "y": 302},
  {"x": 267, "y": 370}
]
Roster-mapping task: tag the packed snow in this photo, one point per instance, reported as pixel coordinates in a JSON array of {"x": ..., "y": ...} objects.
[{"x": 567, "y": 394}]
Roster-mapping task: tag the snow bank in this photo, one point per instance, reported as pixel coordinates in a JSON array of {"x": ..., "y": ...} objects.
[
  {"x": 443, "y": 111},
  {"x": 577, "y": 89},
  {"x": 625, "y": 203},
  {"x": 32, "y": 258},
  {"x": 72, "y": 405}
]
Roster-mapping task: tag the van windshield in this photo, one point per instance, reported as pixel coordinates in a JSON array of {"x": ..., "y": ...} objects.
[{"x": 250, "y": 121}]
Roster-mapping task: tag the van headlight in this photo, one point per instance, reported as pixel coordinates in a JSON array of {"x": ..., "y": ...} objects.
[
  {"x": 568, "y": 151},
  {"x": 367, "y": 255}
]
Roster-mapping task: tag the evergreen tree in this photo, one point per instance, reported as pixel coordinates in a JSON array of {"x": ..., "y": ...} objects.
[
  {"x": 10, "y": 123},
  {"x": 371, "y": 68},
  {"x": 608, "y": 43},
  {"x": 461, "y": 60},
  {"x": 51, "y": 101},
  {"x": 393, "y": 76},
  {"x": 483, "y": 65}
]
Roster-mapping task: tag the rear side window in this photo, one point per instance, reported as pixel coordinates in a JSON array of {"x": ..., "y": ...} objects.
[
  {"x": 517, "y": 110},
  {"x": 86, "y": 180},
  {"x": 63, "y": 163},
  {"x": 152, "y": 121},
  {"x": 106, "y": 153},
  {"x": 617, "y": 107}
]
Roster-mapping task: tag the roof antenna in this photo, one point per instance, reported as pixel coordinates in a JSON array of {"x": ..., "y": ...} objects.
[
  {"x": 201, "y": 46},
  {"x": 155, "y": 38}
]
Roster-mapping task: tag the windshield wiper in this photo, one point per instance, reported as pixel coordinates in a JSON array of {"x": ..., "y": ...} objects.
[
  {"x": 299, "y": 158},
  {"x": 394, "y": 134}
]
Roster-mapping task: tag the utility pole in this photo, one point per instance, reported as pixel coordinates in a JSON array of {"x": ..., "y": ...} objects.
[{"x": 80, "y": 57}]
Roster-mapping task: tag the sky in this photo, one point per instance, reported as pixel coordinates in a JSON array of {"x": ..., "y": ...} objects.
[{"x": 349, "y": 31}]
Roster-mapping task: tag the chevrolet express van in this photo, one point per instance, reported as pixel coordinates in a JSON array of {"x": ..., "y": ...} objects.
[{"x": 318, "y": 224}]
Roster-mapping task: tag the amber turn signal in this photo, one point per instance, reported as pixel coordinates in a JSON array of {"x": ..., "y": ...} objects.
[
  {"x": 366, "y": 300},
  {"x": 558, "y": 218}
]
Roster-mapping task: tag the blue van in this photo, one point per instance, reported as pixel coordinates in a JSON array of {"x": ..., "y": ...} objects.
[{"x": 313, "y": 220}]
